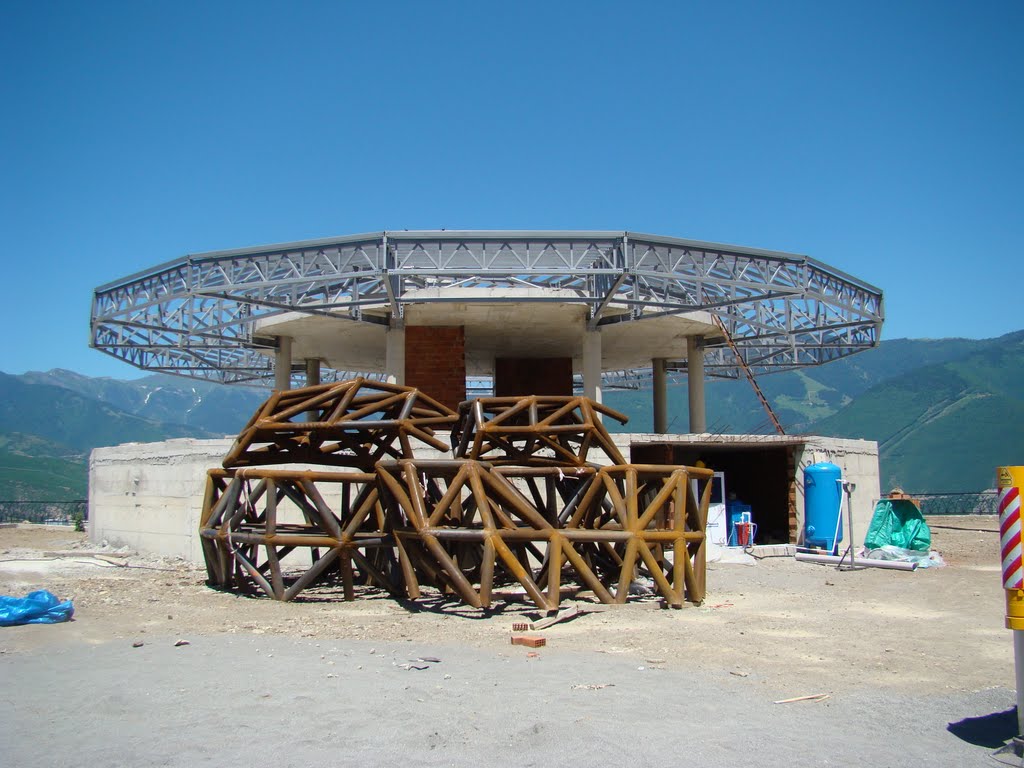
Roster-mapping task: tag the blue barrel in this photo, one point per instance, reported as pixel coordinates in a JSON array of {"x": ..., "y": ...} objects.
[{"x": 822, "y": 498}]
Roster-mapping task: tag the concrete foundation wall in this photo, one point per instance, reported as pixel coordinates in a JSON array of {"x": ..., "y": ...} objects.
[
  {"x": 858, "y": 460},
  {"x": 148, "y": 496}
]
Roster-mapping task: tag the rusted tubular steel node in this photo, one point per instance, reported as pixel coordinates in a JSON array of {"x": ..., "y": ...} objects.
[
  {"x": 254, "y": 518},
  {"x": 462, "y": 525},
  {"x": 349, "y": 424},
  {"x": 535, "y": 430}
]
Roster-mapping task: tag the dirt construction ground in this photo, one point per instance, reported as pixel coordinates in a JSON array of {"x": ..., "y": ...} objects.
[{"x": 909, "y": 669}]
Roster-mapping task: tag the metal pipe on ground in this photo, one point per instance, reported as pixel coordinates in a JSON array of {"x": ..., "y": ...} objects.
[{"x": 895, "y": 565}]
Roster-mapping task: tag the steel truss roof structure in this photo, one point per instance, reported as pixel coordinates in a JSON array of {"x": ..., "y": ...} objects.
[{"x": 195, "y": 316}]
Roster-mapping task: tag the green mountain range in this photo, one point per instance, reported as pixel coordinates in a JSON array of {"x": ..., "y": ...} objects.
[
  {"x": 50, "y": 421},
  {"x": 945, "y": 413},
  {"x": 946, "y": 426}
]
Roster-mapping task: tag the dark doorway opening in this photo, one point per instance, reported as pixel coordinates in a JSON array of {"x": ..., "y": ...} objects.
[
  {"x": 759, "y": 475},
  {"x": 524, "y": 376}
]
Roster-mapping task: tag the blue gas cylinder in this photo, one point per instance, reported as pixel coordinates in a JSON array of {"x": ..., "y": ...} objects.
[{"x": 822, "y": 499}]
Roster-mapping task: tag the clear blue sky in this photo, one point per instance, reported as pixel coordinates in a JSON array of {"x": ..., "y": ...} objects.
[{"x": 886, "y": 139}]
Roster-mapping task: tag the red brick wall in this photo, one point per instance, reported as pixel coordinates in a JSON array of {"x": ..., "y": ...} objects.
[
  {"x": 794, "y": 530},
  {"x": 435, "y": 362}
]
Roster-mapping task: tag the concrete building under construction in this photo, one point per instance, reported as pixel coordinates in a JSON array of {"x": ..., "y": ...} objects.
[{"x": 458, "y": 314}]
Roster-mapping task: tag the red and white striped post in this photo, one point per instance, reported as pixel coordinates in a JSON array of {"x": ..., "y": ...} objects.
[{"x": 1010, "y": 481}]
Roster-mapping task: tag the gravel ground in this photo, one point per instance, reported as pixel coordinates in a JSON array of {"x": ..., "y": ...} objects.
[{"x": 916, "y": 669}]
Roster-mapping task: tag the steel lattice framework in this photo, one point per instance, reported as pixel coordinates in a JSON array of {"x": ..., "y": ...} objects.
[{"x": 195, "y": 316}]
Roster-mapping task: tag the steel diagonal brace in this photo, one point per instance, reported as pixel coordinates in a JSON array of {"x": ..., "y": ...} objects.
[
  {"x": 396, "y": 306},
  {"x": 596, "y": 316}
]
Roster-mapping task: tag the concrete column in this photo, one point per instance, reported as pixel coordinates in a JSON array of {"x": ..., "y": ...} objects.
[
  {"x": 394, "y": 356},
  {"x": 592, "y": 365},
  {"x": 695, "y": 383},
  {"x": 659, "y": 379},
  {"x": 283, "y": 363},
  {"x": 312, "y": 371},
  {"x": 312, "y": 379}
]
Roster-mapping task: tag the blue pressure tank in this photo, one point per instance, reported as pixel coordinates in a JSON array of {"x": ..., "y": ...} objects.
[{"x": 823, "y": 523}]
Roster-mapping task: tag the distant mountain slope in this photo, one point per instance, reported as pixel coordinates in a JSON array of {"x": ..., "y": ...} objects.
[
  {"x": 945, "y": 413},
  {"x": 944, "y": 427},
  {"x": 26, "y": 478},
  {"x": 32, "y": 468},
  {"x": 213, "y": 408},
  {"x": 47, "y": 431},
  {"x": 805, "y": 397},
  {"x": 859, "y": 373},
  {"x": 78, "y": 422}
]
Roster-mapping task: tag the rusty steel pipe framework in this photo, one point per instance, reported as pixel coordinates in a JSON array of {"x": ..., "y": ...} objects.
[
  {"x": 245, "y": 539},
  {"x": 520, "y": 503},
  {"x": 470, "y": 519}
]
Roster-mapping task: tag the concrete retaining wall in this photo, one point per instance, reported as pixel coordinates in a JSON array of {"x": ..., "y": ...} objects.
[
  {"x": 148, "y": 496},
  {"x": 859, "y": 461}
]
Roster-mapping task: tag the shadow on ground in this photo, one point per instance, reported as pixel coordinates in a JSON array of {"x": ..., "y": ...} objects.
[{"x": 991, "y": 731}]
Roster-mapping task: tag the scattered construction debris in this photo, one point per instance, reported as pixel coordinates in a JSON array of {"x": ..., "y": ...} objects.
[
  {"x": 529, "y": 642},
  {"x": 811, "y": 697},
  {"x": 568, "y": 613},
  {"x": 120, "y": 562},
  {"x": 896, "y": 565}
]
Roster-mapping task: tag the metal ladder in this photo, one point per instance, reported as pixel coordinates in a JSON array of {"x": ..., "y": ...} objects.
[{"x": 750, "y": 377}]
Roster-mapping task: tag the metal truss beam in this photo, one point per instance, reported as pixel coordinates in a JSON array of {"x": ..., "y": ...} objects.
[{"x": 195, "y": 316}]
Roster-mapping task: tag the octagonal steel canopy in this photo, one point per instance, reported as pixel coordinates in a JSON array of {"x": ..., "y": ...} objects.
[{"x": 215, "y": 315}]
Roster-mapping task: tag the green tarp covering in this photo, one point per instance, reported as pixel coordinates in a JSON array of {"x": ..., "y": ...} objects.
[{"x": 898, "y": 523}]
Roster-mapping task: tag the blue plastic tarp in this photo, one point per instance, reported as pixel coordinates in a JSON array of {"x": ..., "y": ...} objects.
[{"x": 39, "y": 607}]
